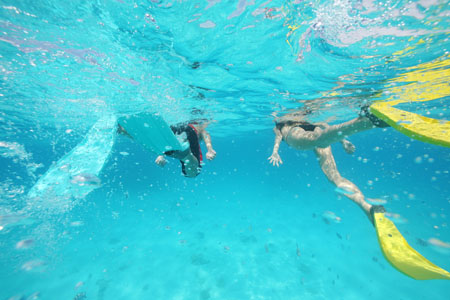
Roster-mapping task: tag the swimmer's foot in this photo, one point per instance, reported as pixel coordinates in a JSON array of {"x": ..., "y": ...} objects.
[
  {"x": 365, "y": 112},
  {"x": 375, "y": 209}
]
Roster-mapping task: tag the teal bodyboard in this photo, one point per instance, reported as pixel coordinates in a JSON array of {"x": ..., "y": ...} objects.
[{"x": 151, "y": 131}]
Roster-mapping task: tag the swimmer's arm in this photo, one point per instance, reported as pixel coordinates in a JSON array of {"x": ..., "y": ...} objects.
[
  {"x": 211, "y": 154},
  {"x": 275, "y": 158},
  {"x": 278, "y": 139},
  {"x": 207, "y": 139}
]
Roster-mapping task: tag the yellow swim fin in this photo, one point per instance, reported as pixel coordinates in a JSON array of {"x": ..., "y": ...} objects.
[
  {"x": 400, "y": 254},
  {"x": 421, "y": 83},
  {"x": 415, "y": 126}
]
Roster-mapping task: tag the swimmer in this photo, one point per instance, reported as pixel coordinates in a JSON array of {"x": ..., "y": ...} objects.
[
  {"x": 302, "y": 135},
  {"x": 191, "y": 158}
]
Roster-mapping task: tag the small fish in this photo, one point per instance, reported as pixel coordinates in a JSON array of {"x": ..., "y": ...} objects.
[
  {"x": 343, "y": 191},
  {"x": 24, "y": 244},
  {"x": 376, "y": 201},
  {"x": 65, "y": 167},
  {"x": 84, "y": 179},
  {"x": 331, "y": 216},
  {"x": 79, "y": 284},
  {"x": 396, "y": 218},
  {"x": 439, "y": 243},
  {"x": 76, "y": 223},
  {"x": 298, "y": 250},
  {"x": 32, "y": 264}
]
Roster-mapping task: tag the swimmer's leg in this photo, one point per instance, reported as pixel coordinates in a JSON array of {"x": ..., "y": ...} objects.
[
  {"x": 335, "y": 133},
  {"x": 329, "y": 168}
]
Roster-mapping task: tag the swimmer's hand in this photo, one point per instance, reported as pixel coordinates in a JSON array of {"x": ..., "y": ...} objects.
[
  {"x": 161, "y": 161},
  {"x": 348, "y": 147},
  {"x": 211, "y": 154},
  {"x": 275, "y": 159}
]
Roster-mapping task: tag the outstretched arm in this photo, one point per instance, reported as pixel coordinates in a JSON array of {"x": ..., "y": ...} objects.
[
  {"x": 211, "y": 153},
  {"x": 275, "y": 158}
]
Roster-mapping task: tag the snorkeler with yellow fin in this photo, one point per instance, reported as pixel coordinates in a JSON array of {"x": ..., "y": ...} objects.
[
  {"x": 399, "y": 253},
  {"x": 301, "y": 135},
  {"x": 428, "y": 82}
]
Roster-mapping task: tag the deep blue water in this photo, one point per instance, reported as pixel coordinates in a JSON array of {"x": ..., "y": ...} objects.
[{"x": 242, "y": 229}]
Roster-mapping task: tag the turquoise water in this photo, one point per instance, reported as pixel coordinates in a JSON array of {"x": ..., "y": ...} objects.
[{"x": 242, "y": 229}]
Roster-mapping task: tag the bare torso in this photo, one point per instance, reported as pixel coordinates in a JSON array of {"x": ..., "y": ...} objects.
[{"x": 321, "y": 135}]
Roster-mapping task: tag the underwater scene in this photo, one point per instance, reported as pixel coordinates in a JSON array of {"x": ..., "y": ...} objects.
[{"x": 224, "y": 149}]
